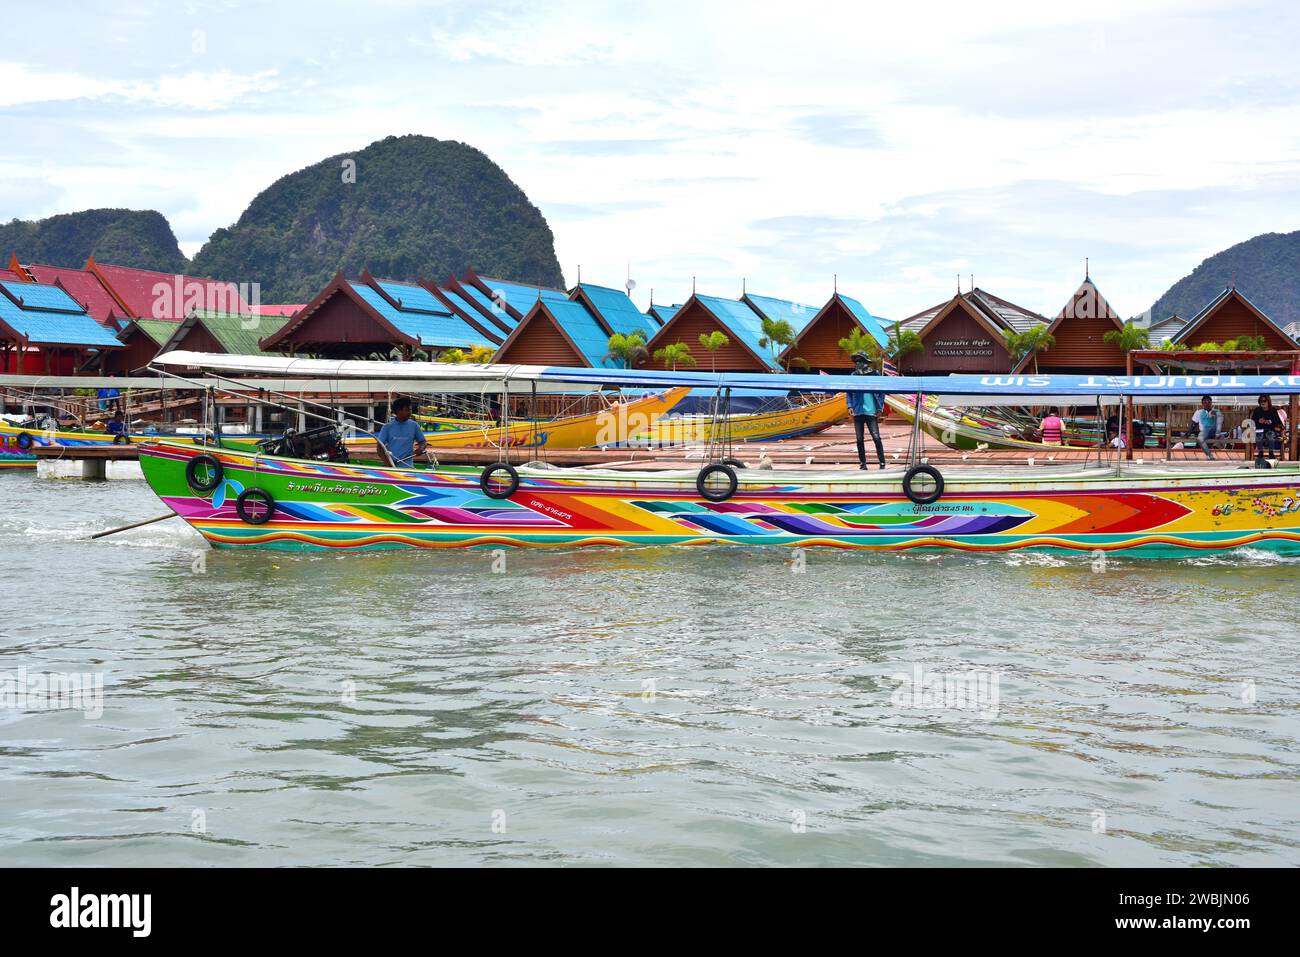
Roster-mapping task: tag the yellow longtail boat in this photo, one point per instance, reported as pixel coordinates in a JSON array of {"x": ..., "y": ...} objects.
[
  {"x": 747, "y": 427},
  {"x": 610, "y": 426}
]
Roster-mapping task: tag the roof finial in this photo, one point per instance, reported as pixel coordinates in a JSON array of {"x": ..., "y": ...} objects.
[
  {"x": 692, "y": 285},
  {"x": 1234, "y": 279},
  {"x": 652, "y": 297},
  {"x": 972, "y": 282},
  {"x": 959, "y": 284},
  {"x": 744, "y": 286},
  {"x": 1086, "y": 269},
  {"x": 835, "y": 283},
  {"x": 579, "y": 276}
]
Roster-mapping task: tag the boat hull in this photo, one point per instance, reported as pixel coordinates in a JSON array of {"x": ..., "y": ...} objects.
[{"x": 332, "y": 506}]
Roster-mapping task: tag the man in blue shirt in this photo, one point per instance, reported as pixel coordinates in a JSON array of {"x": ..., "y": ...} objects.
[
  {"x": 865, "y": 407},
  {"x": 117, "y": 429},
  {"x": 402, "y": 435}
]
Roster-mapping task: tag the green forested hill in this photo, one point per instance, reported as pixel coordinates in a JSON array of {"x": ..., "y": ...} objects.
[
  {"x": 128, "y": 237},
  {"x": 419, "y": 207},
  {"x": 1266, "y": 270}
]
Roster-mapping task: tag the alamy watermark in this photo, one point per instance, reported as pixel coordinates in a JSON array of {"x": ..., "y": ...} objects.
[
  {"x": 23, "y": 690},
  {"x": 972, "y": 690}
]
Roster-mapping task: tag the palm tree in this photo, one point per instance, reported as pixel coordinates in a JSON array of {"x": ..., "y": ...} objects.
[
  {"x": 1129, "y": 339},
  {"x": 777, "y": 334},
  {"x": 712, "y": 342},
  {"x": 859, "y": 340},
  {"x": 628, "y": 349},
  {"x": 903, "y": 343},
  {"x": 679, "y": 353},
  {"x": 1032, "y": 341}
]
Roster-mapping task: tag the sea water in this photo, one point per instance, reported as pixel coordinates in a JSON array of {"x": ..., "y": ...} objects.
[{"x": 642, "y": 706}]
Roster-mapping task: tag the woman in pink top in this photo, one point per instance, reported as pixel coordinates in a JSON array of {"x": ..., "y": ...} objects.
[{"x": 1052, "y": 428}]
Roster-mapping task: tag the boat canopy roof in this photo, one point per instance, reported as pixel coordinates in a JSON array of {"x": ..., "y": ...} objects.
[{"x": 956, "y": 389}]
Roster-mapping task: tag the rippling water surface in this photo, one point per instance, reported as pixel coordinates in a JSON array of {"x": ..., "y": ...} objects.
[{"x": 635, "y": 707}]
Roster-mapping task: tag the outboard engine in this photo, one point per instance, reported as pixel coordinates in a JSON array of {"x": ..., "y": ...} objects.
[{"x": 325, "y": 444}]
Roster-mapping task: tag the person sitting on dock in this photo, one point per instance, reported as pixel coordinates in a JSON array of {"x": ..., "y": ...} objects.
[
  {"x": 402, "y": 436},
  {"x": 1207, "y": 421},
  {"x": 1052, "y": 428},
  {"x": 1268, "y": 427},
  {"x": 865, "y": 407}
]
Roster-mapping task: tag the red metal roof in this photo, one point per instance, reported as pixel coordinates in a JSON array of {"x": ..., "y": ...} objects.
[
  {"x": 82, "y": 286},
  {"x": 268, "y": 310},
  {"x": 135, "y": 287}
]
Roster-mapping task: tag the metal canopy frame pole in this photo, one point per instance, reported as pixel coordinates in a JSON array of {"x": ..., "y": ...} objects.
[{"x": 914, "y": 452}]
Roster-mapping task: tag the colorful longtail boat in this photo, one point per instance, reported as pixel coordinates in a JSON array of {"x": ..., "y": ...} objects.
[{"x": 239, "y": 498}]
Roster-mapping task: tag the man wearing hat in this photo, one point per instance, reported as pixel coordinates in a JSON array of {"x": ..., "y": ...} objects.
[{"x": 865, "y": 407}]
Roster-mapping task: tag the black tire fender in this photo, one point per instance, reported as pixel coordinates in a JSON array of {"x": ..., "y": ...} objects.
[
  {"x": 215, "y": 473},
  {"x": 485, "y": 481},
  {"x": 255, "y": 495},
  {"x": 915, "y": 472},
  {"x": 713, "y": 494}
]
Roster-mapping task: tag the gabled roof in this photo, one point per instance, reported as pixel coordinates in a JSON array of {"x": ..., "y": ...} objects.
[
  {"x": 576, "y": 324},
  {"x": 995, "y": 314},
  {"x": 498, "y": 313},
  {"x": 614, "y": 311},
  {"x": 517, "y": 297},
  {"x": 869, "y": 323},
  {"x": 159, "y": 330},
  {"x": 135, "y": 289},
  {"x": 1087, "y": 303},
  {"x": 1213, "y": 305},
  {"x": 46, "y": 315},
  {"x": 238, "y": 334},
  {"x": 743, "y": 325},
  {"x": 990, "y": 324},
  {"x": 417, "y": 314},
  {"x": 661, "y": 313},
  {"x": 1008, "y": 314},
  {"x": 797, "y": 314},
  {"x": 83, "y": 286}
]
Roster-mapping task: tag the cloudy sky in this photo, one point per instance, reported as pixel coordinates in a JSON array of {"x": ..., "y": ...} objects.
[{"x": 896, "y": 145}]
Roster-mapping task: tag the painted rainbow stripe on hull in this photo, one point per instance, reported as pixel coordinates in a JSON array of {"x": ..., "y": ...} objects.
[{"x": 357, "y": 506}]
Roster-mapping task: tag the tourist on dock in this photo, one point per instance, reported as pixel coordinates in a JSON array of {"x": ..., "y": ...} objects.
[
  {"x": 1207, "y": 420},
  {"x": 865, "y": 407},
  {"x": 1268, "y": 427},
  {"x": 402, "y": 435},
  {"x": 1052, "y": 428}
]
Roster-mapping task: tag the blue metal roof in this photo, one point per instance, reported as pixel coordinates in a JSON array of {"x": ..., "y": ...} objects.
[
  {"x": 522, "y": 297},
  {"x": 795, "y": 313},
  {"x": 661, "y": 313},
  {"x": 742, "y": 322},
  {"x": 435, "y": 330},
  {"x": 869, "y": 322},
  {"x": 618, "y": 311},
  {"x": 49, "y": 316},
  {"x": 413, "y": 298},
  {"x": 491, "y": 306},
  {"x": 581, "y": 326}
]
